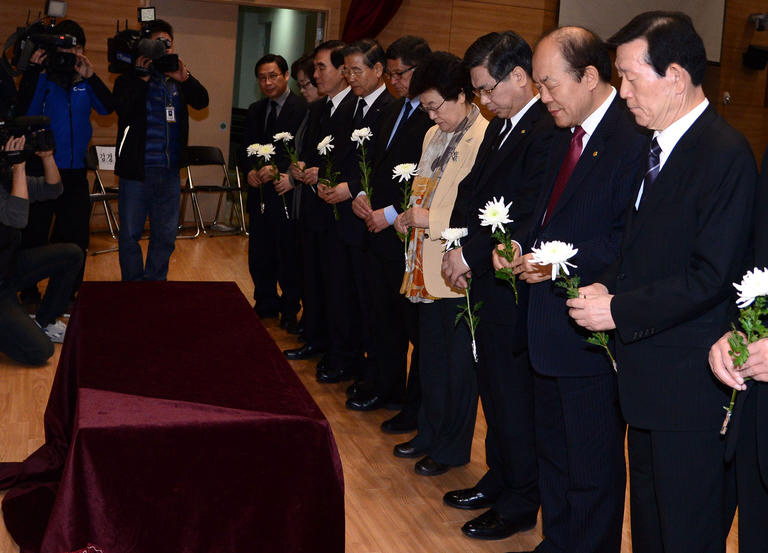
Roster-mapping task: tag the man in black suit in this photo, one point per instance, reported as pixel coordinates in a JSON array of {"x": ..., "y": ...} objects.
[
  {"x": 271, "y": 233},
  {"x": 347, "y": 287},
  {"x": 670, "y": 291},
  {"x": 747, "y": 437},
  {"x": 591, "y": 163},
  {"x": 393, "y": 318},
  {"x": 332, "y": 117},
  {"x": 509, "y": 165}
]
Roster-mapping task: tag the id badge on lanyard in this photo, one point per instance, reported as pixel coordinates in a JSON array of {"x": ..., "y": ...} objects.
[{"x": 170, "y": 114}]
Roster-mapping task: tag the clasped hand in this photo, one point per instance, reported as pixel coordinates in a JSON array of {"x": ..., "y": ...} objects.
[{"x": 592, "y": 309}]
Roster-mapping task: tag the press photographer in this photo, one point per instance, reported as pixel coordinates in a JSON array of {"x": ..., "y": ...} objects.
[
  {"x": 22, "y": 338},
  {"x": 60, "y": 83},
  {"x": 151, "y": 103}
]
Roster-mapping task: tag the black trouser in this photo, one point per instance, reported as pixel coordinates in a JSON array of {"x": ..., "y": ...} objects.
[
  {"x": 752, "y": 488},
  {"x": 505, "y": 381},
  {"x": 394, "y": 324},
  {"x": 582, "y": 473},
  {"x": 314, "y": 310},
  {"x": 20, "y": 338},
  {"x": 681, "y": 493},
  {"x": 272, "y": 259},
  {"x": 73, "y": 215},
  {"x": 446, "y": 420}
]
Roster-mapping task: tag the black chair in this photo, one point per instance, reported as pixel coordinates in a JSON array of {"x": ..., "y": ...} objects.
[
  {"x": 198, "y": 156},
  {"x": 101, "y": 194}
]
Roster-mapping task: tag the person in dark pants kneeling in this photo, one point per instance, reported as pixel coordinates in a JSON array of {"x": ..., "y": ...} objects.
[{"x": 22, "y": 338}]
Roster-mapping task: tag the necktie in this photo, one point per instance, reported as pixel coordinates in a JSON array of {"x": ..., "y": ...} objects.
[
  {"x": 406, "y": 112},
  {"x": 269, "y": 128},
  {"x": 500, "y": 137},
  {"x": 566, "y": 170},
  {"x": 357, "y": 119},
  {"x": 653, "y": 166}
]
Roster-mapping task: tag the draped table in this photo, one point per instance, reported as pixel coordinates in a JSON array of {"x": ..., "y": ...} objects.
[{"x": 174, "y": 423}]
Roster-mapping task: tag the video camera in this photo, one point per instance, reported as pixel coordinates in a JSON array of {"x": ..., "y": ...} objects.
[
  {"x": 128, "y": 45},
  {"x": 41, "y": 34},
  {"x": 39, "y": 137}
]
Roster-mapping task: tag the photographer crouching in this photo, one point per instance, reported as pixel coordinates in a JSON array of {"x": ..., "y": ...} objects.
[
  {"x": 151, "y": 103},
  {"x": 22, "y": 338}
]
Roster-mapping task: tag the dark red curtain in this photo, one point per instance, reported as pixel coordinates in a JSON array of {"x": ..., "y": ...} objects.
[{"x": 367, "y": 18}]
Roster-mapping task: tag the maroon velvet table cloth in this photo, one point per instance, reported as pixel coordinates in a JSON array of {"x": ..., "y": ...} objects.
[{"x": 175, "y": 424}]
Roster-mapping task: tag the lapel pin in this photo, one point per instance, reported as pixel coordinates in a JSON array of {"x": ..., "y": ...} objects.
[
  {"x": 522, "y": 132},
  {"x": 594, "y": 154}
]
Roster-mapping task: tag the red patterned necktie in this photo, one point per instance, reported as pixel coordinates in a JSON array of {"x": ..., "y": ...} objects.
[{"x": 566, "y": 170}]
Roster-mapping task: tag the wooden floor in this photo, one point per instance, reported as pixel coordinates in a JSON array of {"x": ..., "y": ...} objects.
[{"x": 389, "y": 508}]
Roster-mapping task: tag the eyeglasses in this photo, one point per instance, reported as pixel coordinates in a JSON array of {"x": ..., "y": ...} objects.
[
  {"x": 268, "y": 77},
  {"x": 352, "y": 72},
  {"x": 425, "y": 109},
  {"x": 480, "y": 92},
  {"x": 398, "y": 74},
  {"x": 304, "y": 84}
]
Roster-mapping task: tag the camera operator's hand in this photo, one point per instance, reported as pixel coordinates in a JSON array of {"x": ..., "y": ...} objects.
[
  {"x": 38, "y": 57},
  {"x": 51, "y": 170},
  {"x": 143, "y": 62},
  {"x": 83, "y": 66},
  {"x": 181, "y": 74},
  {"x": 19, "y": 184}
]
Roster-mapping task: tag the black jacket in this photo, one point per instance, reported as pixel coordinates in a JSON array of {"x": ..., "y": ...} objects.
[{"x": 130, "y": 98}]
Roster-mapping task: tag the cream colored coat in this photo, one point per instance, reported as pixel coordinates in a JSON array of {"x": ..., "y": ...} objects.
[{"x": 442, "y": 205}]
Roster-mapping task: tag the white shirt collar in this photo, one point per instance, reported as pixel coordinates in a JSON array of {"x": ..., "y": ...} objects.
[
  {"x": 669, "y": 137},
  {"x": 590, "y": 123},
  {"x": 415, "y": 102},
  {"x": 515, "y": 119},
  {"x": 371, "y": 98},
  {"x": 336, "y": 100}
]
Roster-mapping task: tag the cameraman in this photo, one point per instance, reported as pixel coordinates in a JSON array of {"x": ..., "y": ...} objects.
[
  {"x": 62, "y": 85},
  {"x": 23, "y": 339},
  {"x": 152, "y": 133}
]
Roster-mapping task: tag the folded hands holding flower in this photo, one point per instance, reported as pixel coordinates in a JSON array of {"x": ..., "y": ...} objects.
[{"x": 592, "y": 309}]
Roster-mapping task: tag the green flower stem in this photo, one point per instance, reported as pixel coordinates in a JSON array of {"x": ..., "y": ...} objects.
[{"x": 365, "y": 173}]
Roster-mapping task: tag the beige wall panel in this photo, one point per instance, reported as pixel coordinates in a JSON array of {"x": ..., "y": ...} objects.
[
  {"x": 473, "y": 19},
  {"x": 430, "y": 19}
]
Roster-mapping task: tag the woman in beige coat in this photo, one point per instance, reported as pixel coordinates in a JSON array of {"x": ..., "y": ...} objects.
[{"x": 446, "y": 418}]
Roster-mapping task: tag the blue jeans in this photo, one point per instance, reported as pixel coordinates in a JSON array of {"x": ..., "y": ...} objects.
[
  {"x": 157, "y": 196},
  {"x": 20, "y": 338}
]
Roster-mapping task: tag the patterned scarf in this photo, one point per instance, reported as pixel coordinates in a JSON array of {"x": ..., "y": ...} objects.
[{"x": 440, "y": 150}]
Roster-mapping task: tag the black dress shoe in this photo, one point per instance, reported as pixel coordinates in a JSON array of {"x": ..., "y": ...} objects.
[
  {"x": 493, "y": 526},
  {"x": 468, "y": 498},
  {"x": 331, "y": 375},
  {"x": 407, "y": 451},
  {"x": 354, "y": 389},
  {"x": 401, "y": 423},
  {"x": 365, "y": 402},
  {"x": 429, "y": 467},
  {"x": 304, "y": 352}
]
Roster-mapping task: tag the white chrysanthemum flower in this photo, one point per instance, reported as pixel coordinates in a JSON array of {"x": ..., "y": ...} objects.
[
  {"x": 453, "y": 236},
  {"x": 555, "y": 253},
  {"x": 404, "y": 171},
  {"x": 283, "y": 137},
  {"x": 324, "y": 147},
  {"x": 753, "y": 285},
  {"x": 253, "y": 149},
  {"x": 265, "y": 151},
  {"x": 361, "y": 135},
  {"x": 495, "y": 214}
]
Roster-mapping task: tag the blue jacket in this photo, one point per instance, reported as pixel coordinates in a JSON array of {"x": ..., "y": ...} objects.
[{"x": 70, "y": 114}]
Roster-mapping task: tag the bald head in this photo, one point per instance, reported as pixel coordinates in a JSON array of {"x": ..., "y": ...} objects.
[{"x": 572, "y": 70}]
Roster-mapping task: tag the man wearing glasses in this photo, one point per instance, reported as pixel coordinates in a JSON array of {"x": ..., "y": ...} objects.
[
  {"x": 272, "y": 234},
  {"x": 364, "y": 71},
  {"x": 508, "y": 165},
  {"x": 393, "y": 320}
]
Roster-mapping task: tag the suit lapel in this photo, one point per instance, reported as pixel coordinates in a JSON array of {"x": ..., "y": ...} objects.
[
  {"x": 590, "y": 156},
  {"x": 678, "y": 162}
]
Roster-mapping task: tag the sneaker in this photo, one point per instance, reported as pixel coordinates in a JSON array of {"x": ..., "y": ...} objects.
[{"x": 55, "y": 332}]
